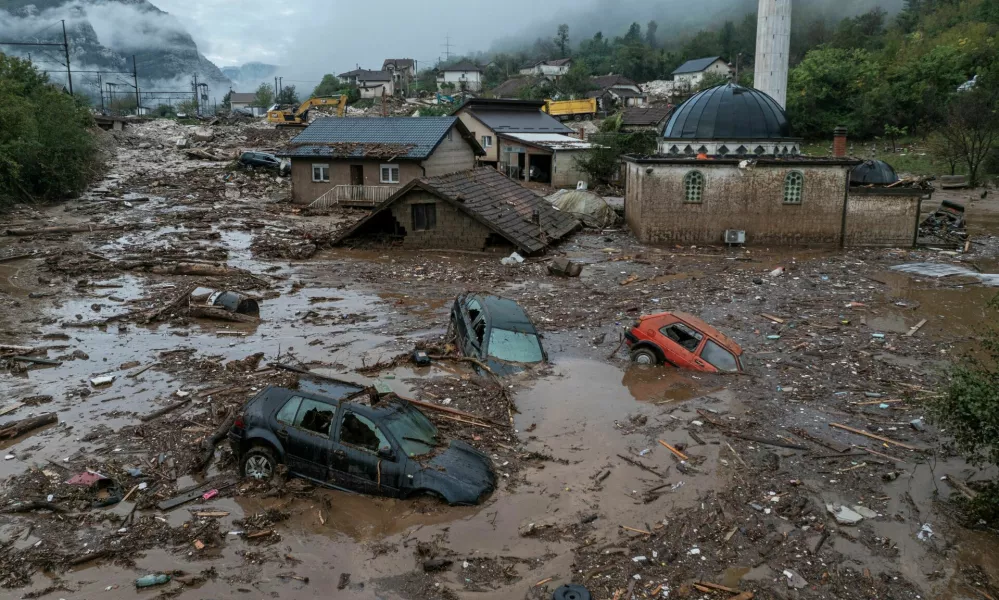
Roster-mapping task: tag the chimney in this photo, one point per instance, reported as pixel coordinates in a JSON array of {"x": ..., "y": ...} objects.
[
  {"x": 582, "y": 133},
  {"x": 839, "y": 142}
]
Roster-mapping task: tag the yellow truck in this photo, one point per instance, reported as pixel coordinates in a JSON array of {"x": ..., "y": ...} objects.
[
  {"x": 577, "y": 110},
  {"x": 300, "y": 117}
]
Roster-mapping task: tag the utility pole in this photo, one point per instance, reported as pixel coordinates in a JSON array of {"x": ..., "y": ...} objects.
[
  {"x": 275, "y": 89},
  {"x": 135, "y": 78},
  {"x": 738, "y": 60},
  {"x": 197, "y": 108},
  {"x": 65, "y": 47},
  {"x": 100, "y": 88},
  {"x": 447, "y": 47},
  {"x": 280, "y": 85}
]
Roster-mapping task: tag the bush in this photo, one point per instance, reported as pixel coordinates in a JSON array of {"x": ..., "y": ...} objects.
[
  {"x": 969, "y": 411},
  {"x": 48, "y": 148},
  {"x": 603, "y": 164}
]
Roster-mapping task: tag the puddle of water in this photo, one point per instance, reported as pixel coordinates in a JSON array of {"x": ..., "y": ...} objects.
[
  {"x": 661, "y": 384},
  {"x": 948, "y": 311}
]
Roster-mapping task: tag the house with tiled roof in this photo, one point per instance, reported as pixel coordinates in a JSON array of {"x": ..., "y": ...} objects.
[
  {"x": 552, "y": 69},
  {"x": 616, "y": 91},
  {"x": 403, "y": 71},
  {"x": 362, "y": 161},
  {"x": 476, "y": 209}
]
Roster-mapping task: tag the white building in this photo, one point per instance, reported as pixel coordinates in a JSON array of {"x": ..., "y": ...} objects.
[
  {"x": 553, "y": 69},
  {"x": 464, "y": 76},
  {"x": 691, "y": 73}
]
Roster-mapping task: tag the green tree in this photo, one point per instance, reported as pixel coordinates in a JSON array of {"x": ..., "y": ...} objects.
[
  {"x": 972, "y": 126},
  {"x": 47, "y": 148},
  {"x": 827, "y": 90},
  {"x": 726, "y": 41},
  {"x": 187, "y": 107},
  {"x": 164, "y": 111},
  {"x": 562, "y": 40},
  {"x": 264, "y": 98},
  {"x": 711, "y": 80},
  {"x": 650, "y": 34},
  {"x": 576, "y": 82},
  {"x": 227, "y": 100},
  {"x": 288, "y": 95},
  {"x": 329, "y": 86}
]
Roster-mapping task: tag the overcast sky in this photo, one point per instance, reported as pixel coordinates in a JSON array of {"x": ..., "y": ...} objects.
[{"x": 332, "y": 36}]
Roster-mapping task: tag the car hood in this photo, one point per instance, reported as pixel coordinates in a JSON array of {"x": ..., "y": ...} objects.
[{"x": 461, "y": 474}]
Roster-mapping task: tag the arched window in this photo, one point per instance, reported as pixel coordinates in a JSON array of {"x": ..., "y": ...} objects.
[
  {"x": 693, "y": 187},
  {"x": 793, "y": 184}
]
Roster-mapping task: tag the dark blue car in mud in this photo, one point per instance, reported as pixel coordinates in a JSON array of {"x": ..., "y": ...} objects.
[{"x": 386, "y": 447}]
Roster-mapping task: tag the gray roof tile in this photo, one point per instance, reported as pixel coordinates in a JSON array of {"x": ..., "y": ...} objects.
[
  {"x": 696, "y": 65},
  {"x": 376, "y": 137}
]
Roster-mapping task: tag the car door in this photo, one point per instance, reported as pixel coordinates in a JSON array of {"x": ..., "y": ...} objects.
[
  {"x": 361, "y": 468},
  {"x": 306, "y": 437},
  {"x": 681, "y": 345}
]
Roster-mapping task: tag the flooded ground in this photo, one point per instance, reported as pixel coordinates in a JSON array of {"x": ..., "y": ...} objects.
[{"x": 589, "y": 492}]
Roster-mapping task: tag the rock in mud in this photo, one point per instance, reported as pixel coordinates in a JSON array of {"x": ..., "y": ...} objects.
[{"x": 844, "y": 516}]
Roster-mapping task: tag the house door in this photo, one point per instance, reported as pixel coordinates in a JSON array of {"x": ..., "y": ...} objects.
[{"x": 356, "y": 174}]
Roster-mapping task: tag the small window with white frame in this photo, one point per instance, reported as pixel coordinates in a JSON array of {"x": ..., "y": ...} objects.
[
  {"x": 794, "y": 183},
  {"x": 487, "y": 141},
  {"x": 320, "y": 173},
  {"x": 389, "y": 174},
  {"x": 693, "y": 187}
]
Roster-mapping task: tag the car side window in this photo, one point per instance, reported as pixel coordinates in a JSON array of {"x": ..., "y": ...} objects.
[
  {"x": 287, "y": 413},
  {"x": 474, "y": 309},
  {"x": 719, "y": 357},
  {"x": 315, "y": 416},
  {"x": 361, "y": 432},
  {"x": 480, "y": 331},
  {"x": 686, "y": 337}
]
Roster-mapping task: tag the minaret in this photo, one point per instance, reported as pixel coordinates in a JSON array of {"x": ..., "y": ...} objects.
[{"x": 773, "y": 43}]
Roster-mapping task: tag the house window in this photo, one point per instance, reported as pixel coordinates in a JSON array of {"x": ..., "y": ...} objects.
[
  {"x": 793, "y": 184},
  {"x": 320, "y": 173},
  {"x": 693, "y": 187},
  {"x": 424, "y": 217},
  {"x": 390, "y": 174},
  {"x": 487, "y": 141}
]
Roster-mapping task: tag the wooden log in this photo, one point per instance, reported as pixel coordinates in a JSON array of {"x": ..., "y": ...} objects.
[
  {"x": 676, "y": 452},
  {"x": 753, "y": 438},
  {"x": 180, "y": 300},
  {"x": 915, "y": 328},
  {"x": 64, "y": 229},
  {"x": 37, "y": 361},
  {"x": 21, "y": 507},
  {"x": 872, "y": 436},
  {"x": 164, "y": 410},
  {"x": 638, "y": 464},
  {"x": 209, "y": 443},
  {"x": 85, "y": 558},
  {"x": 220, "y": 314},
  {"x": 187, "y": 268},
  {"x": 17, "y": 428}
]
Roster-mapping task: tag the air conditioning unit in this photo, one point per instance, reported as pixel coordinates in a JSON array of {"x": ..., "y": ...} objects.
[{"x": 735, "y": 236}]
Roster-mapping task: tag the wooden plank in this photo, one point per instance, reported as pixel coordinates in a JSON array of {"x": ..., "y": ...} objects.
[
  {"x": 676, "y": 452},
  {"x": 872, "y": 436},
  {"x": 716, "y": 586},
  {"x": 195, "y": 492},
  {"x": 772, "y": 318},
  {"x": 916, "y": 328}
]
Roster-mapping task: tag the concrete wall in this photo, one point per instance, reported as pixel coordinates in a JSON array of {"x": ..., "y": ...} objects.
[
  {"x": 479, "y": 129},
  {"x": 454, "y": 228},
  {"x": 733, "y": 198},
  {"x": 305, "y": 191},
  {"x": 471, "y": 79},
  {"x": 374, "y": 89},
  {"x": 454, "y": 154},
  {"x": 567, "y": 174},
  {"x": 882, "y": 217}
]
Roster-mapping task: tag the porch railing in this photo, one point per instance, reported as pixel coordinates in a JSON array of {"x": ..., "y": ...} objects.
[{"x": 354, "y": 195}]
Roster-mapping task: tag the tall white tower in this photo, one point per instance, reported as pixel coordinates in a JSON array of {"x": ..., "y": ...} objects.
[{"x": 773, "y": 43}]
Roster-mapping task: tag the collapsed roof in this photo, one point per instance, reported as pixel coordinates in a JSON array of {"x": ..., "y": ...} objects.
[{"x": 499, "y": 203}]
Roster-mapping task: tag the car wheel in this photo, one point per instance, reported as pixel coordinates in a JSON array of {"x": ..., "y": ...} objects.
[
  {"x": 259, "y": 463},
  {"x": 644, "y": 356}
]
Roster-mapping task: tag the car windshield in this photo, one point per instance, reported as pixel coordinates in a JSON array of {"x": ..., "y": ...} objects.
[
  {"x": 719, "y": 357},
  {"x": 514, "y": 346},
  {"x": 415, "y": 433}
]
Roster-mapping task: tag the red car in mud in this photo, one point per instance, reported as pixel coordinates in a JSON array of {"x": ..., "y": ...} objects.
[{"x": 684, "y": 341}]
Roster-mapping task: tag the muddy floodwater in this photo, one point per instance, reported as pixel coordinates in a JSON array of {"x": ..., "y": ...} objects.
[{"x": 816, "y": 473}]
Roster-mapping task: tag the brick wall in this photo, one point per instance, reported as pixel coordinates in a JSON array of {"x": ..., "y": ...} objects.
[
  {"x": 882, "y": 217},
  {"x": 454, "y": 228},
  {"x": 734, "y": 198}
]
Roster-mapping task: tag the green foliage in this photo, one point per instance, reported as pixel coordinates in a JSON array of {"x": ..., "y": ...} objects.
[
  {"x": 828, "y": 90},
  {"x": 972, "y": 125},
  {"x": 603, "y": 164},
  {"x": 48, "y": 148},
  {"x": 164, "y": 111},
  {"x": 437, "y": 110},
  {"x": 288, "y": 95},
  {"x": 711, "y": 80},
  {"x": 893, "y": 133},
  {"x": 562, "y": 39},
  {"x": 264, "y": 98},
  {"x": 187, "y": 107},
  {"x": 329, "y": 86},
  {"x": 576, "y": 82},
  {"x": 227, "y": 100}
]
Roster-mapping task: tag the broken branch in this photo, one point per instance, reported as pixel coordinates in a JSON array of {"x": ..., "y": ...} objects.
[{"x": 872, "y": 436}]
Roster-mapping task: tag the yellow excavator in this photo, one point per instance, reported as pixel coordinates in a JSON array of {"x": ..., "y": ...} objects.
[{"x": 300, "y": 116}]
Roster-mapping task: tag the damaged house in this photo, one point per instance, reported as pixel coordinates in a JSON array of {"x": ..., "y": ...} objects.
[
  {"x": 470, "y": 210},
  {"x": 729, "y": 171},
  {"x": 523, "y": 141},
  {"x": 362, "y": 161}
]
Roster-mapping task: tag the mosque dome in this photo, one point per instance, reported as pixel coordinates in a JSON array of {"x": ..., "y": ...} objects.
[
  {"x": 876, "y": 172},
  {"x": 728, "y": 112}
]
